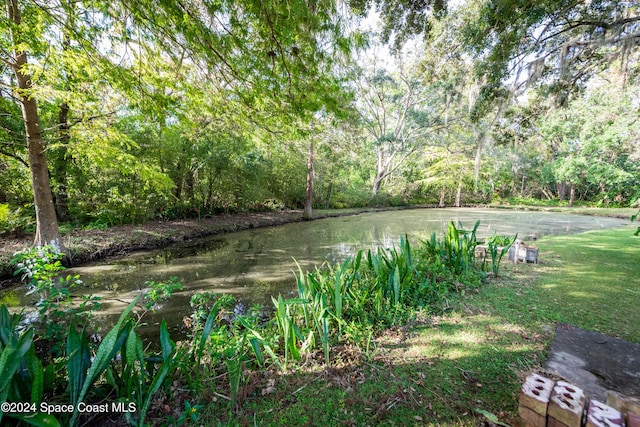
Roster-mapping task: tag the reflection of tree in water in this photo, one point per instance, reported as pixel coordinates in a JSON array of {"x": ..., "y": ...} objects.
[{"x": 176, "y": 251}]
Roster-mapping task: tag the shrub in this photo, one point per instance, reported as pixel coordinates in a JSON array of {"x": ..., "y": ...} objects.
[{"x": 16, "y": 222}]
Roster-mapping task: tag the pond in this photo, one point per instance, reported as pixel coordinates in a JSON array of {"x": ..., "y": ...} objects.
[{"x": 256, "y": 264}]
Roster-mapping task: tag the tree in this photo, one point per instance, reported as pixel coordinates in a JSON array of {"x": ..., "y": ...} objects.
[
  {"x": 308, "y": 198},
  {"x": 14, "y": 54},
  {"x": 272, "y": 61},
  {"x": 400, "y": 114},
  {"x": 553, "y": 42},
  {"x": 594, "y": 144}
]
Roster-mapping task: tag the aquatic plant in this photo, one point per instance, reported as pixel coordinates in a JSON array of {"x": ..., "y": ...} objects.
[
  {"x": 498, "y": 246},
  {"x": 457, "y": 250}
]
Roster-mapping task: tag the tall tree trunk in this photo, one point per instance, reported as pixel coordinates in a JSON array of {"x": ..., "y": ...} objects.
[
  {"x": 572, "y": 194},
  {"x": 459, "y": 195},
  {"x": 377, "y": 183},
  {"x": 47, "y": 231},
  {"x": 60, "y": 166},
  {"x": 478, "y": 159},
  {"x": 59, "y": 157},
  {"x": 562, "y": 190},
  {"x": 308, "y": 198},
  {"x": 380, "y": 172},
  {"x": 327, "y": 204},
  {"x": 442, "y": 194},
  {"x": 189, "y": 185}
]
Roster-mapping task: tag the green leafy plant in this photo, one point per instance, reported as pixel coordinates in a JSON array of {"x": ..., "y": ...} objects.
[
  {"x": 289, "y": 331},
  {"x": 22, "y": 377},
  {"x": 208, "y": 336},
  {"x": 190, "y": 414},
  {"x": 497, "y": 247},
  {"x": 157, "y": 292},
  {"x": 456, "y": 250},
  {"x": 109, "y": 347},
  {"x": 143, "y": 379},
  {"x": 43, "y": 269},
  {"x": 491, "y": 417}
]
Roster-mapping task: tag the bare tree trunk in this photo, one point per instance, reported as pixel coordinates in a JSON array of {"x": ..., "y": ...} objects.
[
  {"x": 377, "y": 183},
  {"x": 572, "y": 194},
  {"x": 47, "y": 231},
  {"x": 59, "y": 158},
  {"x": 327, "y": 204},
  {"x": 308, "y": 199},
  {"x": 562, "y": 190},
  {"x": 459, "y": 195},
  {"x": 60, "y": 166},
  {"x": 189, "y": 185},
  {"x": 380, "y": 172},
  {"x": 478, "y": 159},
  {"x": 442, "y": 194}
]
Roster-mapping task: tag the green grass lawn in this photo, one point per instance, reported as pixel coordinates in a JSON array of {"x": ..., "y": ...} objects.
[{"x": 475, "y": 355}]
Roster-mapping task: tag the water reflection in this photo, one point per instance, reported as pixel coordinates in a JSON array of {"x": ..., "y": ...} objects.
[{"x": 257, "y": 264}]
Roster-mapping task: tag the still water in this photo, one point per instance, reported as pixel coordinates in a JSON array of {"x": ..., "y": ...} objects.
[{"x": 256, "y": 264}]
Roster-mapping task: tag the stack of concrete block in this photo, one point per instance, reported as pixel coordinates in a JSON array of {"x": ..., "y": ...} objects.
[
  {"x": 547, "y": 403},
  {"x": 566, "y": 406},
  {"x": 633, "y": 420},
  {"x": 601, "y": 415},
  {"x": 534, "y": 400}
]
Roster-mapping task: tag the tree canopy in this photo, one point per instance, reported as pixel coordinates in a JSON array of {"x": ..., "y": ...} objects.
[{"x": 121, "y": 111}]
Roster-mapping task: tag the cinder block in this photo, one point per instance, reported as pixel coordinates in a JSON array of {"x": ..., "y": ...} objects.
[
  {"x": 552, "y": 422},
  {"x": 566, "y": 404},
  {"x": 623, "y": 403},
  {"x": 532, "y": 254},
  {"x": 601, "y": 415},
  {"x": 530, "y": 418},
  {"x": 535, "y": 393},
  {"x": 633, "y": 420},
  {"x": 481, "y": 251}
]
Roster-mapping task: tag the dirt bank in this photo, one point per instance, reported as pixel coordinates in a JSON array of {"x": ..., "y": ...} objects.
[{"x": 91, "y": 245}]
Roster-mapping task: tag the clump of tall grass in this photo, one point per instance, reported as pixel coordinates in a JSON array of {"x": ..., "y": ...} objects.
[
  {"x": 456, "y": 251},
  {"x": 378, "y": 289}
]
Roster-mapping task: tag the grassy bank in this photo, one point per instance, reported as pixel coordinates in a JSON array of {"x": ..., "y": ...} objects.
[{"x": 474, "y": 356}]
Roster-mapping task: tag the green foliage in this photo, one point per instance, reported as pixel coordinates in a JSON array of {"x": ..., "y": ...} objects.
[
  {"x": 15, "y": 222},
  {"x": 190, "y": 414},
  {"x": 348, "y": 303},
  {"x": 105, "y": 353},
  {"x": 457, "y": 250},
  {"x": 365, "y": 293},
  {"x": 143, "y": 378},
  {"x": 23, "y": 378},
  {"x": 157, "y": 292},
  {"x": 43, "y": 270},
  {"x": 498, "y": 246}
]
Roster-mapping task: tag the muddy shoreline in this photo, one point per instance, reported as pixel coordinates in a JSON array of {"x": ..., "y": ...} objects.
[{"x": 93, "y": 245}]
